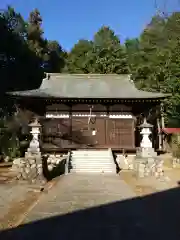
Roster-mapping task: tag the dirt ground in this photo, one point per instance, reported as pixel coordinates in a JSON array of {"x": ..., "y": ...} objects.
[
  {"x": 16, "y": 198},
  {"x": 17, "y": 209},
  {"x": 150, "y": 185}
]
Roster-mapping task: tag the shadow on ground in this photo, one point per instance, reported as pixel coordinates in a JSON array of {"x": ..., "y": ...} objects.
[{"x": 154, "y": 217}]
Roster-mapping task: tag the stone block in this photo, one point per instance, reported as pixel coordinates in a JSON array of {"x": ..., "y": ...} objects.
[
  {"x": 141, "y": 174},
  {"x": 24, "y": 175},
  {"x": 30, "y": 157},
  {"x": 22, "y": 164},
  {"x": 58, "y": 161},
  {"x": 150, "y": 161},
  {"x": 39, "y": 165},
  {"x": 33, "y": 173},
  {"x": 28, "y": 165},
  {"x": 123, "y": 165},
  {"x": 131, "y": 166},
  {"x": 7, "y": 159},
  {"x": 53, "y": 161},
  {"x": 40, "y": 171},
  {"x": 17, "y": 161},
  {"x": 33, "y": 166},
  {"x": 146, "y": 174},
  {"x": 158, "y": 170},
  {"x": 19, "y": 176},
  {"x": 27, "y": 170},
  {"x": 141, "y": 166},
  {"x": 50, "y": 167},
  {"x": 38, "y": 159},
  {"x": 32, "y": 161},
  {"x": 21, "y": 169}
]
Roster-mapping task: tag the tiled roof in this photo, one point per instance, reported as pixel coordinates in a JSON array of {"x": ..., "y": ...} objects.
[{"x": 88, "y": 86}]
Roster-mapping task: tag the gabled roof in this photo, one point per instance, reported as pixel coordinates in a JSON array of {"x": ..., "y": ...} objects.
[{"x": 88, "y": 86}]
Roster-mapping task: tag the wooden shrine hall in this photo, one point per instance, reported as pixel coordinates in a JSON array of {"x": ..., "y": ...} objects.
[{"x": 97, "y": 111}]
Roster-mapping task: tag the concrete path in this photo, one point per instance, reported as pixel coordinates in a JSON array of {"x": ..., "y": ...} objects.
[{"x": 99, "y": 207}]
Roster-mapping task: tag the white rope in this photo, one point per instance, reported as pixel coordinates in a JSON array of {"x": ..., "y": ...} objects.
[{"x": 90, "y": 115}]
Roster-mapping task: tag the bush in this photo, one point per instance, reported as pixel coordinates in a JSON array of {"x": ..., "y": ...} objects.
[{"x": 175, "y": 145}]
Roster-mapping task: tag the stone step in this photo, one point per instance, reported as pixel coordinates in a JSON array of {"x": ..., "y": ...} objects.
[
  {"x": 93, "y": 170},
  {"x": 93, "y": 162},
  {"x": 91, "y": 156},
  {"x": 91, "y": 153},
  {"x": 92, "y": 167},
  {"x": 90, "y": 164}
]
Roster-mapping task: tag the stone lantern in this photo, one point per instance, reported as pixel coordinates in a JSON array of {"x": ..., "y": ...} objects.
[
  {"x": 146, "y": 130},
  {"x": 147, "y": 162},
  {"x": 35, "y": 132}
]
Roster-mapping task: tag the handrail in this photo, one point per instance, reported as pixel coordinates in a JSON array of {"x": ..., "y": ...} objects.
[
  {"x": 67, "y": 163},
  {"x": 110, "y": 151}
]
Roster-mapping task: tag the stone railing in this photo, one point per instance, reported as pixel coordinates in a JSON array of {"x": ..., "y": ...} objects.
[{"x": 67, "y": 163}]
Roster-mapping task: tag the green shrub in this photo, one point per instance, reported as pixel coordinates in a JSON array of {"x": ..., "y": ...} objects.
[{"x": 175, "y": 145}]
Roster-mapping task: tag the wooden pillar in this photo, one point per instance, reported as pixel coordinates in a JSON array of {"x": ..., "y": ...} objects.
[
  {"x": 159, "y": 134},
  {"x": 162, "y": 115},
  {"x": 162, "y": 125},
  {"x": 107, "y": 109},
  {"x": 70, "y": 122}
]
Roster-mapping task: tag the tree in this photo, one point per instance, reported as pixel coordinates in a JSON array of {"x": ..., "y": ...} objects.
[
  {"x": 78, "y": 58},
  {"x": 35, "y": 38},
  {"x": 102, "y": 55},
  {"x": 20, "y": 66},
  {"x": 155, "y": 66},
  {"x": 49, "y": 52},
  {"x": 15, "y": 22},
  {"x": 55, "y": 57},
  {"x": 132, "y": 49},
  {"x": 147, "y": 65},
  {"x": 107, "y": 56}
]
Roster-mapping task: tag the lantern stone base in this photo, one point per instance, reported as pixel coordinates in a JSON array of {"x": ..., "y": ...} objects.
[
  {"x": 147, "y": 163},
  {"x": 31, "y": 168}
]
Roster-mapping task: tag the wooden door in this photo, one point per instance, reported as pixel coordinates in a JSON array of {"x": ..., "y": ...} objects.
[
  {"x": 81, "y": 133},
  {"x": 55, "y": 133},
  {"x": 120, "y": 133}
]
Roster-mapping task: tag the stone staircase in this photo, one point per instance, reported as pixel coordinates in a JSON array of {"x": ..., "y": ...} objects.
[{"x": 92, "y": 161}]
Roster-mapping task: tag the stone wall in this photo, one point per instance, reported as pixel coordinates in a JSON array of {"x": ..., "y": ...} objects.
[
  {"x": 142, "y": 167},
  {"x": 29, "y": 168},
  {"x": 35, "y": 168},
  {"x": 125, "y": 162},
  {"x": 53, "y": 160},
  {"x": 148, "y": 167}
]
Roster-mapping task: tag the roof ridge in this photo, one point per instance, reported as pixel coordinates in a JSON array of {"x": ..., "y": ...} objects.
[{"x": 87, "y": 74}]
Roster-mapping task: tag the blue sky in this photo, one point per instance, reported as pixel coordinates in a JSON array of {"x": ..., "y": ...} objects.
[{"x": 67, "y": 21}]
